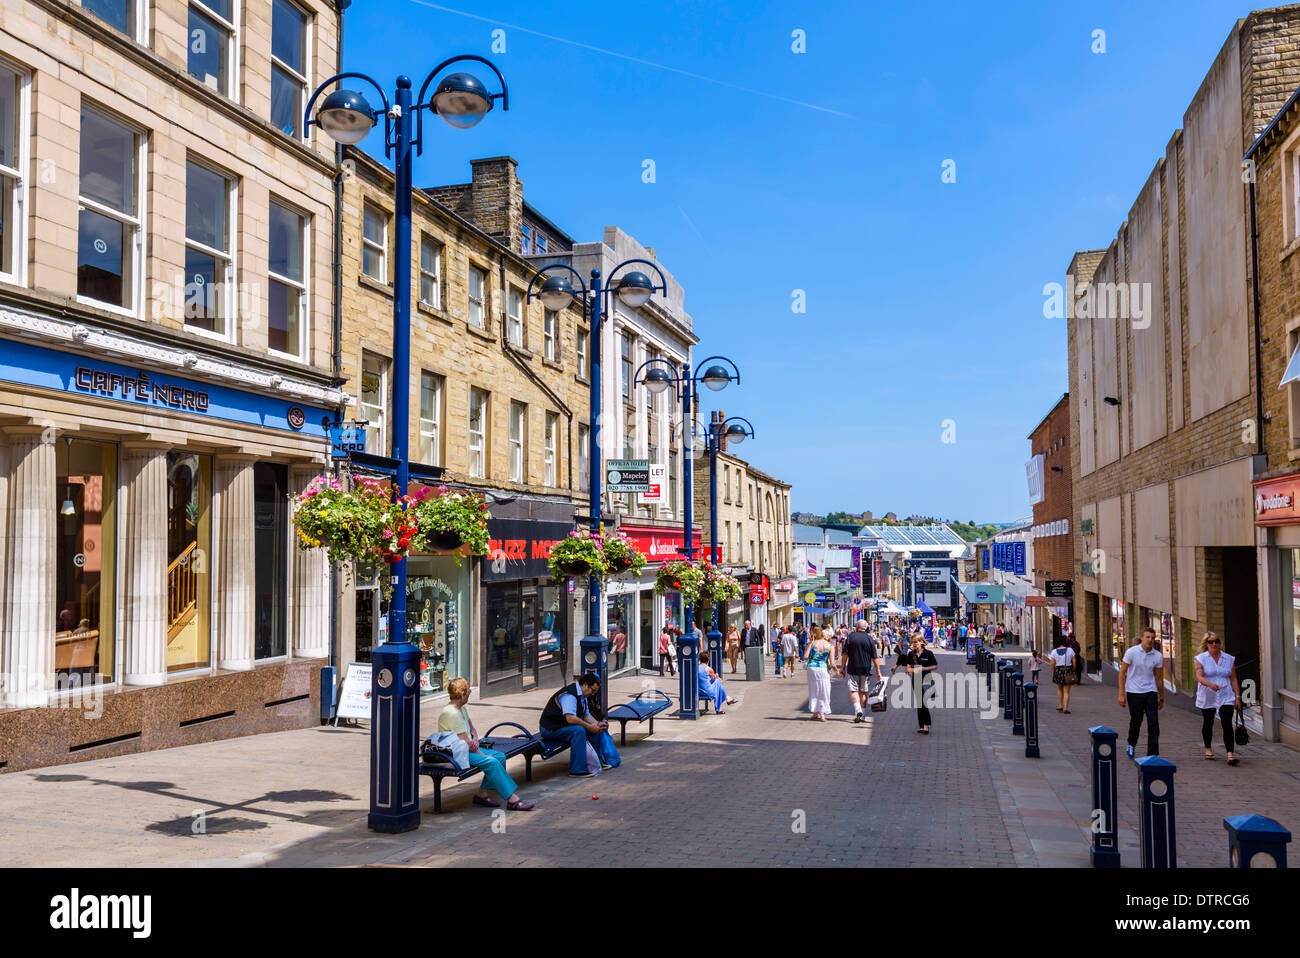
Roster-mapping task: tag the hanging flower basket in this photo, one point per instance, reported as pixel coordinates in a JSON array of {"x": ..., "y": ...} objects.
[
  {"x": 444, "y": 541},
  {"x": 448, "y": 521},
  {"x": 620, "y": 555},
  {"x": 577, "y": 554},
  {"x": 681, "y": 576},
  {"x": 719, "y": 585}
]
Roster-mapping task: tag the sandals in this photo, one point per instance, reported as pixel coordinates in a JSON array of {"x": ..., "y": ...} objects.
[
  {"x": 486, "y": 802},
  {"x": 519, "y": 805},
  {"x": 1234, "y": 761},
  {"x": 1209, "y": 757}
]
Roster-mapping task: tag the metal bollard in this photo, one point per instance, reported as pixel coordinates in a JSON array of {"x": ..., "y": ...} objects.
[
  {"x": 1031, "y": 720},
  {"x": 1002, "y": 685},
  {"x": 595, "y": 658},
  {"x": 1017, "y": 703},
  {"x": 1007, "y": 669},
  {"x": 1256, "y": 842},
  {"x": 1105, "y": 797},
  {"x": 688, "y": 670},
  {"x": 1156, "y": 812},
  {"x": 714, "y": 642}
]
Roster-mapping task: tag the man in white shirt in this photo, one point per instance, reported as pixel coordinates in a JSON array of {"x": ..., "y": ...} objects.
[{"x": 1142, "y": 684}]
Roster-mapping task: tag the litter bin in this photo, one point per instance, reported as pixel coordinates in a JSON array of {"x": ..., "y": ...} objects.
[{"x": 754, "y": 660}]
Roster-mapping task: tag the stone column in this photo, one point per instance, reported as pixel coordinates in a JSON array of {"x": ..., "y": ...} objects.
[
  {"x": 235, "y": 582},
  {"x": 27, "y": 587},
  {"x": 310, "y": 600},
  {"x": 144, "y": 468}
]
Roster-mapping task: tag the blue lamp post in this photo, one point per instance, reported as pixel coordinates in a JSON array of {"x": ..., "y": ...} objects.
[
  {"x": 736, "y": 429},
  {"x": 556, "y": 292},
  {"x": 659, "y": 374},
  {"x": 461, "y": 100}
]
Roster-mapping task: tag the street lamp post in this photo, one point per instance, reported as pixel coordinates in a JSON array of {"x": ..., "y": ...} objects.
[
  {"x": 462, "y": 101},
  {"x": 660, "y": 373},
  {"x": 634, "y": 289},
  {"x": 732, "y": 431}
]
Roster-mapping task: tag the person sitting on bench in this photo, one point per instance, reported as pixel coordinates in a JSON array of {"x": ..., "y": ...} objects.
[
  {"x": 455, "y": 719},
  {"x": 711, "y": 685},
  {"x": 567, "y": 719}
]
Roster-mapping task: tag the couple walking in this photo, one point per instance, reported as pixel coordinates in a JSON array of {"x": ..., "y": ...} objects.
[{"x": 860, "y": 659}]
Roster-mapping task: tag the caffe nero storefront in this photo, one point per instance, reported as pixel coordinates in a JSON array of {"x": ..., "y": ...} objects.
[{"x": 527, "y": 618}]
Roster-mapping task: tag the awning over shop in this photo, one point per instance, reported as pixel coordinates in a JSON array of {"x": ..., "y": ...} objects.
[{"x": 981, "y": 593}]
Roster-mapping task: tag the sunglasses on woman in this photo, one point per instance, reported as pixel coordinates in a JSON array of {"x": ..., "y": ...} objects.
[{"x": 1211, "y": 641}]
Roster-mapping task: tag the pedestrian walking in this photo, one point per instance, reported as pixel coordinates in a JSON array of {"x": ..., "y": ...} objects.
[
  {"x": 821, "y": 658},
  {"x": 1078, "y": 657},
  {"x": 1033, "y": 664},
  {"x": 778, "y": 651},
  {"x": 733, "y": 647},
  {"x": 666, "y": 650},
  {"x": 1063, "y": 674},
  {"x": 1217, "y": 690},
  {"x": 860, "y": 659},
  {"x": 790, "y": 648},
  {"x": 920, "y": 661},
  {"x": 1142, "y": 688},
  {"x": 803, "y": 642}
]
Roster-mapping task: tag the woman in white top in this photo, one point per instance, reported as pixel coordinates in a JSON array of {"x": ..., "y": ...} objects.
[
  {"x": 1062, "y": 673},
  {"x": 1217, "y": 690}
]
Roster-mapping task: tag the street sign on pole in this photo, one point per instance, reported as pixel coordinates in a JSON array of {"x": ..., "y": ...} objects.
[{"x": 627, "y": 475}]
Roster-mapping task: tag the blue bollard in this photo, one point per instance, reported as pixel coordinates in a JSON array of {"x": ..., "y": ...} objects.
[
  {"x": 714, "y": 642},
  {"x": 1256, "y": 842},
  {"x": 1105, "y": 797},
  {"x": 1031, "y": 720},
  {"x": 1002, "y": 685},
  {"x": 1017, "y": 703},
  {"x": 1007, "y": 669},
  {"x": 595, "y": 658},
  {"x": 394, "y": 738},
  {"x": 1156, "y": 812},
  {"x": 688, "y": 670}
]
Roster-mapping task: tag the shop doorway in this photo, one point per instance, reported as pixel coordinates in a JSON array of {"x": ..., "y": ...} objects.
[
  {"x": 270, "y": 540},
  {"x": 1240, "y": 612},
  {"x": 649, "y": 635},
  {"x": 528, "y": 632}
]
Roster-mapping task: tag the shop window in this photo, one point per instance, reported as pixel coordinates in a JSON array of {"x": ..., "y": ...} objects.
[
  {"x": 85, "y": 555},
  {"x": 288, "y": 66},
  {"x": 189, "y": 545},
  {"x": 1119, "y": 642},
  {"x": 1167, "y": 644},
  {"x": 209, "y": 265},
  {"x": 504, "y": 631},
  {"x": 437, "y": 609},
  {"x": 13, "y": 173},
  {"x": 212, "y": 44},
  {"x": 287, "y": 287},
  {"x": 619, "y": 626},
  {"x": 110, "y": 241},
  {"x": 270, "y": 537},
  {"x": 552, "y": 644},
  {"x": 1291, "y": 643}
]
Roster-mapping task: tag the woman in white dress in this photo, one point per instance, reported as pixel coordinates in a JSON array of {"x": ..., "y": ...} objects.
[
  {"x": 821, "y": 657},
  {"x": 1217, "y": 690}
]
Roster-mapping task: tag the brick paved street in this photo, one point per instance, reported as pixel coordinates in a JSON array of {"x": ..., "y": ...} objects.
[{"x": 733, "y": 787}]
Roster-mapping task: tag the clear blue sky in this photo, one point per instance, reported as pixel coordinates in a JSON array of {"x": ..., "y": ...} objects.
[{"x": 924, "y": 299}]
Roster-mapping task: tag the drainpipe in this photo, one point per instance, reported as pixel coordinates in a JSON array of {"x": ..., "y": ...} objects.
[{"x": 1259, "y": 364}]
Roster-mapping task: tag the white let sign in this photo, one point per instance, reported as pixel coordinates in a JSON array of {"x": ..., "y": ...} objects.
[{"x": 658, "y": 480}]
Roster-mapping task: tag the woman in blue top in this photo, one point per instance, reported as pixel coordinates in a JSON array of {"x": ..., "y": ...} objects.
[
  {"x": 1217, "y": 690},
  {"x": 821, "y": 655}
]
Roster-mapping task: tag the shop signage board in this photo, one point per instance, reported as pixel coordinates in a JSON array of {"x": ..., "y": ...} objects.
[
  {"x": 519, "y": 548},
  {"x": 345, "y": 440},
  {"x": 1035, "y": 601},
  {"x": 659, "y": 545},
  {"x": 78, "y": 375},
  {"x": 929, "y": 574},
  {"x": 1060, "y": 588},
  {"x": 354, "y": 697},
  {"x": 627, "y": 475},
  {"x": 657, "y": 482},
  {"x": 1276, "y": 502}
]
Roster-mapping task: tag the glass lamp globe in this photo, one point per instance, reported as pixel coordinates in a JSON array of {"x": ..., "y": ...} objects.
[
  {"x": 634, "y": 289},
  {"x": 461, "y": 100}
]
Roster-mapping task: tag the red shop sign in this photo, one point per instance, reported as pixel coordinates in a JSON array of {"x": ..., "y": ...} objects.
[
  {"x": 660, "y": 545},
  {"x": 1276, "y": 501}
]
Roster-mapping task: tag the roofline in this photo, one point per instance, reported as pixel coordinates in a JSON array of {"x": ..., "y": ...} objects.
[
  {"x": 1064, "y": 398},
  {"x": 1268, "y": 131},
  {"x": 532, "y": 211}
]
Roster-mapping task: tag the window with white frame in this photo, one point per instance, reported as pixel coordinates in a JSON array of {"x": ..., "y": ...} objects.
[
  {"x": 110, "y": 240},
  {"x": 584, "y": 341},
  {"x": 726, "y": 483},
  {"x": 515, "y": 317},
  {"x": 518, "y": 429},
  {"x": 527, "y": 241},
  {"x": 539, "y": 243},
  {"x": 478, "y": 413},
  {"x": 374, "y": 243},
  {"x": 625, "y": 346},
  {"x": 548, "y": 448},
  {"x": 288, "y": 66},
  {"x": 209, "y": 263},
  {"x": 1291, "y": 380},
  {"x": 121, "y": 15},
  {"x": 287, "y": 282},
  {"x": 374, "y": 402},
  {"x": 213, "y": 44},
  {"x": 550, "y": 333},
  {"x": 13, "y": 173},
  {"x": 584, "y": 455},
  {"x": 430, "y": 272},
  {"x": 477, "y": 294},
  {"x": 431, "y": 419}
]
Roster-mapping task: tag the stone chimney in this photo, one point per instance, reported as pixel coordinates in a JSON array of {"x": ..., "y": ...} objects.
[
  {"x": 493, "y": 200},
  {"x": 719, "y": 416}
]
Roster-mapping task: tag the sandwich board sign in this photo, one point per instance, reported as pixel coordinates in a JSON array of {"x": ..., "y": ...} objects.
[{"x": 354, "y": 698}]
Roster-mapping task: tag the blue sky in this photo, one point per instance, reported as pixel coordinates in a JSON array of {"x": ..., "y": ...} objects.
[{"x": 924, "y": 298}]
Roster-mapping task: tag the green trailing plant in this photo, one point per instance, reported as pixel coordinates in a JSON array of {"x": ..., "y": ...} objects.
[
  {"x": 578, "y": 553},
  {"x": 620, "y": 556}
]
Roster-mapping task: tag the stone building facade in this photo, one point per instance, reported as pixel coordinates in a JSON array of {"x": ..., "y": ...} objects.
[
  {"x": 165, "y": 372},
  {"x": 1163, "y": 385},
  {"x": 1053, "y": 546}
]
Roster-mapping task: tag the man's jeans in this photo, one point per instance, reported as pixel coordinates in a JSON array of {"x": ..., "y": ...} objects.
[
  {"x": 780, "y": 661},
  {"x": 577, "y": 737},
  {"x": 1140, "y": 704}
]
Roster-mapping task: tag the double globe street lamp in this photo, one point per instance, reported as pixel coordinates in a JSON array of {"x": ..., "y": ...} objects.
[
  {"x": 659, "y": 374},
  {"x": 557, "y": 293},
  {"x": 461, "y": 100}
]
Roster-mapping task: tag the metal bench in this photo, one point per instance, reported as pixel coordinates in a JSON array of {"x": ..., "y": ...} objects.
[
  {"x": 437, "y": 762},
  {"x": 640, "y": 709}
]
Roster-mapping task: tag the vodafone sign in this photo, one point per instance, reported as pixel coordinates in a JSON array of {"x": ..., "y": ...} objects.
[{"x": 1275, "y": 501}]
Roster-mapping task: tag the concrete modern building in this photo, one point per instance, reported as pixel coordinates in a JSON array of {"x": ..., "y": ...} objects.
[
  {"x": 165, "y": 371},
  {"x": 1164, "y": 382}
]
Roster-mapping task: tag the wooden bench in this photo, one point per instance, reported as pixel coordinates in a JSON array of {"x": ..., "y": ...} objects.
[{"x": 640, "y": 709}]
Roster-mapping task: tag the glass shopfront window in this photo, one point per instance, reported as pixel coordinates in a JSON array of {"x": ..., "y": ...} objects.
[
  {"x": 1291, "y": 650},
  {"x": 85, "y": 557},
  {"x": 1118, "y": 640},
  {"x": 503, "y": 630},
  {"x": 189, "y": 545},
  {"x": 1164, "y": 626},
  {"x": 618, "y": 629},
  {"x": 437, "y": 611},
  {"x": 673, "y": 610},
  {"x": 552, "y": 639}
]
